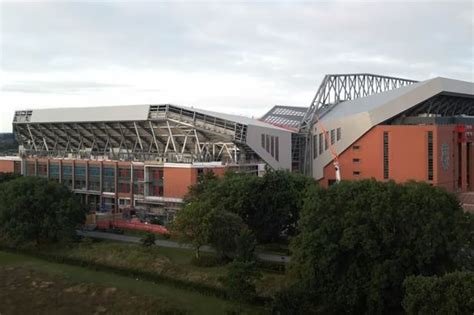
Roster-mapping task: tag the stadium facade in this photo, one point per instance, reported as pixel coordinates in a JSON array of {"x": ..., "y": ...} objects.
[{"x": 146, "y": 156}]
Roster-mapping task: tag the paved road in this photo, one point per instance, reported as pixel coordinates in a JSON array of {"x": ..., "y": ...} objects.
[{"x": 165, "y": 243}]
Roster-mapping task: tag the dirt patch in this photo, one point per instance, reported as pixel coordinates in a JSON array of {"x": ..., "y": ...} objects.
[{"x": 23, "y": 291}]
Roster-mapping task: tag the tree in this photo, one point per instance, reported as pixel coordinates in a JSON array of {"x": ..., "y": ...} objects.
[
  {"x": 35, "y": 209},
  {"x": 245, "y": 244},
  {"x": 5, "y": 177},
  {"x": 225, "y": 227},
  {"x": 279, "y": 202},
  {"x": 148, "y": 239},
  {"x": 239, "y": 281},
  {"x": 452, "y": 293},
  {"x": 269, "y": 205},
  {"x": 193, "y": 225},
  {"x": 359, "y": 240}
]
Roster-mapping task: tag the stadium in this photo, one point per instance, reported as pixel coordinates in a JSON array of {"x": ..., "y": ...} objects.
[{"x": 357, "y": 126}]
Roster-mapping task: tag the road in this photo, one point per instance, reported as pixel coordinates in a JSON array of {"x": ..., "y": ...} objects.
[{"x": 172, "y": 244}]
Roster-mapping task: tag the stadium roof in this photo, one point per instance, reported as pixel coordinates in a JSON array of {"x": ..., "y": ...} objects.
[
  {"x": 288, "y": 117},
  {"x": 124, "y": 113}
]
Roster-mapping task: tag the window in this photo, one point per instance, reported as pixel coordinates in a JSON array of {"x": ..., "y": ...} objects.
[
  {"x": 263, "y": 140},
  {"x": 386, "y": 173},
  {"x": 356, "y": 160},
  {"x": 138, "y": 177},
  {"x": 272, "y": 146},
  {"x": 333, "y": 136},
  {"x": 356, "y": 173},
  {"x": 338, "y": 134},
  {"x": 108, "y": 178},
  {"x": 355, "y": 147},
  {"x": 326, "y": 144},
  {"x": 94, "y": 177},
  {"x": 267, "y": 144},
  {"x": 277, "y": 148},
  {"x": 320, "y": 143},
  {"x": 315, "y": 146},
  {"x": 430, "y": 155}
]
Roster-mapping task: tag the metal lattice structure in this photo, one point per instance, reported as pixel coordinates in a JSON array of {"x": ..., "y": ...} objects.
[
  {"x": 170, "y": 134},
  {"x": 336, "y": 88}
]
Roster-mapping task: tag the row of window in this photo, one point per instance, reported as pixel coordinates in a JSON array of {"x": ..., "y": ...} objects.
[
  {"x": 321, "y": 141},
  {"x": 155, "y": 187},
  {"x": 271, "y": 144}
]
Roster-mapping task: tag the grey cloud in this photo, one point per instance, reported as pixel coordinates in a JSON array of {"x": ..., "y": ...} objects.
[{"x": 292, "y": 44}]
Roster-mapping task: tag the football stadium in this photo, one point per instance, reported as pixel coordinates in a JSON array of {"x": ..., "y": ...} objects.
[{"x": 144, "y": 157}]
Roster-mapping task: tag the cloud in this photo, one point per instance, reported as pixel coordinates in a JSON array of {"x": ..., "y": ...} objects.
[{"x": 233, "y": 56}]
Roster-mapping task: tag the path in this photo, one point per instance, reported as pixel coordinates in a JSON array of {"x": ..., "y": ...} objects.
[{"x": 172, "y": 244}]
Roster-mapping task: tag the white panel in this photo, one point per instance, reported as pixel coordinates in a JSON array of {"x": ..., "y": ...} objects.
[
  {"x": 284, "y": 147},
  {"x": 86, "y": 114}
]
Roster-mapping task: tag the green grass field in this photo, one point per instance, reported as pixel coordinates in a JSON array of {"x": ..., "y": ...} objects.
[
  {"x": 146, "y": 297},
  {"x": 171, "y": 262}
]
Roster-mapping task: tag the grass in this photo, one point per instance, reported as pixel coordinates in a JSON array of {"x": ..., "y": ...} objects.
[
  {"x": 168, "y": 297},
  {"x": 171, "y": 262}
]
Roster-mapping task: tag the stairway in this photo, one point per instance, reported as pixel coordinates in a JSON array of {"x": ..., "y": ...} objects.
[{"x": 467, "y": 201}]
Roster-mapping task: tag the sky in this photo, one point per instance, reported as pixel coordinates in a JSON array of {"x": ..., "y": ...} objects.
[{"x": 235, "y": 57}]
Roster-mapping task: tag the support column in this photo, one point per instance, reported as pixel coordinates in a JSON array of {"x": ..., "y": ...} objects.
[
  {"x": 73, "y": 174},
  {"x": 470, "y": 160},
  {"x": 60, "y": 171},
  {"x": 464, "y": 167}
]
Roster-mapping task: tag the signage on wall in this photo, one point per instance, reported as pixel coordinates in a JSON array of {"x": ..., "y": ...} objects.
[
  {"x": 445, "y": 156},
  {"x": 465, "y": 133}
]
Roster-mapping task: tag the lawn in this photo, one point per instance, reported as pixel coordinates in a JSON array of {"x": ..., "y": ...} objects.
[
  {"x": 170, "y": 262},
  {"x": 28, "y": 284}
]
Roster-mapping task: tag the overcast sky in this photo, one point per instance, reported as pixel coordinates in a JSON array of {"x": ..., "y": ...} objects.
[{"x": 235, "y": 57}]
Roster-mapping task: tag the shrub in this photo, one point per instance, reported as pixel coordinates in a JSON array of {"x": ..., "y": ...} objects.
[
  {"x": 207, "y": 261},
  {"x": 148, "y": 239},
  {"x": 452, "y": 293}
]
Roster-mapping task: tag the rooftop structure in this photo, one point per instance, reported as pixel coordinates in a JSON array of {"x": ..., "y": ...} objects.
[{"x": 166, "y": 133}]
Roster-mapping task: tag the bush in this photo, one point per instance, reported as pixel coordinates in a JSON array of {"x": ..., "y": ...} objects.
[
  {"x": 239, "y": 281},
  {"x": 148, "y": 239},
  {"x": 452, "y": 293},
  {"x": 207, "y": 261}
]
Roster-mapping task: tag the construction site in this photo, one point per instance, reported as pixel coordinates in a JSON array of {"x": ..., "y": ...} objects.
[{"x": 138, "y": 161}]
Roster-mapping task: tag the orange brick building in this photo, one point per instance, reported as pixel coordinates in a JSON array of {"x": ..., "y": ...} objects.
[{"x": 146, "y": 156}]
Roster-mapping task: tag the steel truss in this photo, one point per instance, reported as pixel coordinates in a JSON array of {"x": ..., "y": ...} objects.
[
  {"x": 171, "y": 134},
  {"x": 336, "y": 88}
]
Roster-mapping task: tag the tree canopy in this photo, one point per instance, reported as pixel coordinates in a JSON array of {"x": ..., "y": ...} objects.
[
  {"x": 359, "y": 240},
  {"x": 269, "y": 205},
  {"x": 452, "y": 293},
  {"x": 33, "y": 209}
]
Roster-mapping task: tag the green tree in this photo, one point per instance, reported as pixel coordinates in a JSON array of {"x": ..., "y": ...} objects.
[
  {"x": 245, "y": 244},
  {"x": 5, "y": 177},
  {"x": 239, "y": 281},
  {"x": 148, "y": 239},
  {"x": 269, "y": 205},
  {"x": 192, "y": 224},
  {"x": 452, "y": 293},
  {"x": 35, "y": 209},
  {"x": 359, "y": 240},
  {"x": 225, "y": 227}
]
